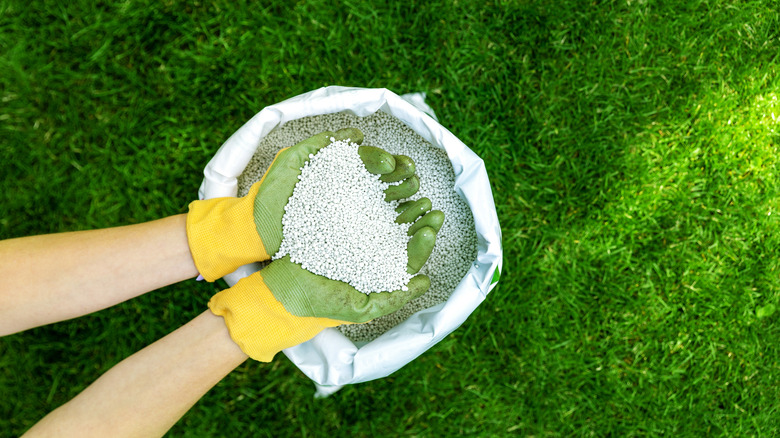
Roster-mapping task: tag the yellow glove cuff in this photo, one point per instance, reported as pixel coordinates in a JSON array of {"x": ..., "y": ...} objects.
[
  {"x": 259, "y": 324},
  {"x": 222, "y": 234}
]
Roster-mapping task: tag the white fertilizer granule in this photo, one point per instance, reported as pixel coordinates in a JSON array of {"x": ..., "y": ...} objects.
[
  {"x": 456, "y": 241},
  {"x": 338, "y": 225}
]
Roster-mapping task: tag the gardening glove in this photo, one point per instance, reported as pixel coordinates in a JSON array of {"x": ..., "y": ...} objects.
[
  {"x": 226, "y": 233},
  {"x": 284, "y": 305}
]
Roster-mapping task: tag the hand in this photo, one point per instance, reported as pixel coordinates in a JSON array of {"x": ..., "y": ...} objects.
[
  {"x": 226, "y": 233},
  {"x": 284, "y": 305}
]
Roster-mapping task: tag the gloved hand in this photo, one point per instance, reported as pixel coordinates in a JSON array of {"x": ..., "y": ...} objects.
[
  {"x": 226, "y": 233},
  {"x": 284, "y": 305}
]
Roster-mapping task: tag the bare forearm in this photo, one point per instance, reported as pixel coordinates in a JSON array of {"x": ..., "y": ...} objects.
[
  {"x": 50, "y": 278},
  {"x": 145, "y": 394}
]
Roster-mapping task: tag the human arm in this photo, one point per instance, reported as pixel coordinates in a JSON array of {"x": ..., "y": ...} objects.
[
  {"x": 54, "y": 277},
  {"x": 142, "y": 380},
  {"x": 51, "y": 278},
  {"x": 145, "y": 394}
]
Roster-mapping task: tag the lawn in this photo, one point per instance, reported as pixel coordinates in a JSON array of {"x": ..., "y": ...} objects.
[{"x": 632, "y": 148}]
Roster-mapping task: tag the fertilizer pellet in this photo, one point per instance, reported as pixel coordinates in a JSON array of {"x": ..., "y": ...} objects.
[
  {"x": 456, "y": 241},
  {"x": 338, "y": 225}
]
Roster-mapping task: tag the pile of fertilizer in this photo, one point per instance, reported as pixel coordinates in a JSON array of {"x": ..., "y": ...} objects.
[
  {"x": 456, "y": 242},
  {"x": 338, "y": 225}
]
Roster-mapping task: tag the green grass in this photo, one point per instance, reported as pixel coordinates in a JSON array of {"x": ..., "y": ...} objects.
[{"x": 633, "y": 152}]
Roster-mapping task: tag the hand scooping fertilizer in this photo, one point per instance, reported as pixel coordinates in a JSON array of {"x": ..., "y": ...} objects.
[
  {"x": 456, "y": 238},
  {"x": 339, "y": 224},
  {"x": 285, "y": 303}
]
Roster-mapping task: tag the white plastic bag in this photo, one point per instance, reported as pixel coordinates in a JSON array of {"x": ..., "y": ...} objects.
[{"x": 332, "y": 360}]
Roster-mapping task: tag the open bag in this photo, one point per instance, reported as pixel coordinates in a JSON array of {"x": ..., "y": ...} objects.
[{"x": 330, "y": 359}]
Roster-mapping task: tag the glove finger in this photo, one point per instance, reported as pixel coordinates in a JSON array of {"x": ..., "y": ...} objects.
[
  {"x": 296, "y": 156},
  {"x": 376, "y": 160},
  {"x": 407, "y": 188},
  {"x": 309, "y": 146},
  {"x": 352, "y": 134},
  {"x": 384, "y": 303},
  {"x": 419, "y": 249},
  {"x": 433, "y": 219},
  {"x": 403, "y": 206},
  {"x": 404, "y": 168},
  {"x": 413, "y": 211}
]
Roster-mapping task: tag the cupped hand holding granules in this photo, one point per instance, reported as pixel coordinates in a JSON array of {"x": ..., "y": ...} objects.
[
  {"x": 341, "y": 220},
  {"x": 456, "y": 241}
]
